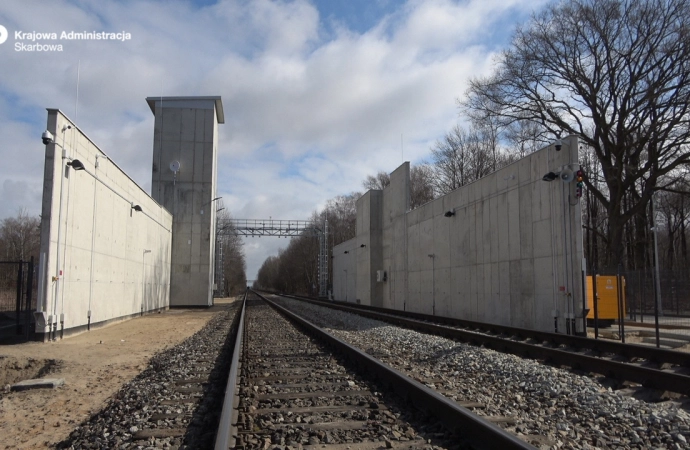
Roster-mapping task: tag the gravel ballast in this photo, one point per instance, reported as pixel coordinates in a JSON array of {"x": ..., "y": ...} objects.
[
  {"x": 548, "y": 407},
  {"x": 154, "y": 410}
]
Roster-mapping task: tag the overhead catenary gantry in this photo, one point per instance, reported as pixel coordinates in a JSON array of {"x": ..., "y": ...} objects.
[{"x": 283, "y": 228}]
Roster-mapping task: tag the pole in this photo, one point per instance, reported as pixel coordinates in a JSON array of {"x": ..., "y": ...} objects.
[
  {"x": 595, "y": 299},
  {"x": 585, "y": 311},
  {"x": 143, "y": 279},
  {"x": 657, "y": 283},
  {"x": 433, "y": 283},
  {"x": 20, "y": 290},
  {"x": 656, "y": 263},
  {"x": 29, "y": 293},
  {"x": 621, "y": 307}
]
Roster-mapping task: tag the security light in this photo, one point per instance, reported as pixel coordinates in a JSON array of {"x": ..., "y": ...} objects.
[
  {"x": 136, "y": 208},
  {"x": 550, "y": 176},
  {"x": 450, "y": 213},
  {"x": 76, "y": 164}
]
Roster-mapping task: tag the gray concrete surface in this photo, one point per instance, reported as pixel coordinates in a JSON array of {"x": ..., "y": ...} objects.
[
  {"x": 345, "y": 271},
  {"x": 100, "y": 259},
  {"x": 510, "y": 253},
  {"x": 186, "y": 134}
]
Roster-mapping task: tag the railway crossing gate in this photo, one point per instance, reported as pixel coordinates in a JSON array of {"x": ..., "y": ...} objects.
[{"x": 283, "y": 228}]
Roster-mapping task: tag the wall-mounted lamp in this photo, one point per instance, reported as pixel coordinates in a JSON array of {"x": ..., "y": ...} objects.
[
  {"x": 100, "y": 156},
  {"x": 76, "y": 164},
  {"x": 550, "y": 176},
  {"x": 136, "y": 207},
  {"x": 431, "y": 255},
  {"x": 450, "y": 213},
  {"x": 346, "y": 252},
  {"x": 362, "y": 246},
  {"x": 558, "y": 144},
  {"x": 202, "y": 206}
]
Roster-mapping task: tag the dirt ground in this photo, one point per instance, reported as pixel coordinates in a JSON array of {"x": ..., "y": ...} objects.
[{"x": 94, "y": 366}]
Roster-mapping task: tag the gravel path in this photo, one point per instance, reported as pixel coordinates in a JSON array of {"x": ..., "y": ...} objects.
[{"x": 551, "y": 408}]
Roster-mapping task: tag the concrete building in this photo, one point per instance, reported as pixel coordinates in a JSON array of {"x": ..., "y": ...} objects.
[
  {"x": 506, "y": 249},
  {"x": 184, "y": 182},
  {"x": 105, "y": 243}
]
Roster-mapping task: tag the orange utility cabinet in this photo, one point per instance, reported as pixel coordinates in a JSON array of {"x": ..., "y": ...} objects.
[{"x": 607, "y": 292}]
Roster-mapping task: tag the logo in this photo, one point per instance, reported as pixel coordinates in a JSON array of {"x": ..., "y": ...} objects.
[{"x": 3, "y": 34}]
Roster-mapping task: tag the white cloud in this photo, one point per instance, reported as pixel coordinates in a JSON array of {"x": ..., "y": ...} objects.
[{"x": 308, "y": 113}]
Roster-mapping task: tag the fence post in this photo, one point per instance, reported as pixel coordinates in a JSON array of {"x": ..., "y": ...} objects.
[
  {"x": 596, "y": 302},
  {"x": 656, "y": 307},
  {"x": 642, "y": 291},
  {"x": 18, "y": 305},
  {"x": 29, "y": 295},
  {"x": 674, "y": 292},
  {"x": 621, "y": 307}
]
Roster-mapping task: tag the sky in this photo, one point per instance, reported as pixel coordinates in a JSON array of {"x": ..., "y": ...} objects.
[{"x": 317, "y": 94}]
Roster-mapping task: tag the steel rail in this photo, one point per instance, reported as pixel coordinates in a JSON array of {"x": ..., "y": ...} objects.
[
  {"x": 646, "y": 376},
  {"x": 652, "y": 354},
  {"x": 478, "y": 432},
  {"x": 224, "y": 437}
]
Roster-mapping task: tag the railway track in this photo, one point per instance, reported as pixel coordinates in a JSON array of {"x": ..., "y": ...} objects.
[
  {"x": 295, "y": 385},
  {"x": 546, "y": 406},
  {"x": 654, "y": 368},
  {"x": 175, "y": 402}
]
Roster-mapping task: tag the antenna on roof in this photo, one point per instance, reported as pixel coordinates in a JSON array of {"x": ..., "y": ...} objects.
[{"x": 76, "y": 101}]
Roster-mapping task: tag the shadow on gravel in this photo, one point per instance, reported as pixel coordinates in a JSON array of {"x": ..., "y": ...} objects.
[
  {"x": 107, "y": 427},
  {"x": 201, "y": 432}
]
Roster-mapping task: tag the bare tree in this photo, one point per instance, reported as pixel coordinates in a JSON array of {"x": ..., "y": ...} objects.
[
  {"x": 464, "y": 156},
  {"x": 341, "y": 213},
  {"x": 20, "y": 237},
  {"x": 233, "y": 262},
  {"x": 379, "y": 181},
  {"x": 421, "y": 184},
  {"x": 674, "y": 207},
  {"x": 614, "y": 72}
]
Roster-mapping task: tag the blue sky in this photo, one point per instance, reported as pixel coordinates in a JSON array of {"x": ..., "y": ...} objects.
[{"x": 316, "y": 94}]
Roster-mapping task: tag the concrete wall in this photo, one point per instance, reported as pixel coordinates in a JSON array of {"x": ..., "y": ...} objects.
[
  {"x": 511, "y": 253},
  {"x": 396, "y": 203},
  {"x": 368, "y": 247},
  {"x": 186, "y": 132},
  {"x": 100, "y": 259},
  {"x": 345, "y": 271}
]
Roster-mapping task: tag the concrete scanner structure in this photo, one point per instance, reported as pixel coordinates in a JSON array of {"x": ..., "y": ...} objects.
[
  {"x": 109, "y": 250},
  {"x": 506, "y": 249}
]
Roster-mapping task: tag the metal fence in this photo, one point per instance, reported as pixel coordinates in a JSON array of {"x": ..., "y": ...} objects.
[
  {"x": 18, "y": 292},
  {"x": 674, "y": 295},
  {"x": 666, "y": 322}
]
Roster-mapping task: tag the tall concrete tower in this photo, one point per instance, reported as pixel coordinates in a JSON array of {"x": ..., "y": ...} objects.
[{"x": 184, "y": 181}]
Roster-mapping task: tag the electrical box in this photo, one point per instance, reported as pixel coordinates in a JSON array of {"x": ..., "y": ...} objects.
[
  {"x": 381, "y": 276},
  {"x": 607, "y": 293},
  {"x": 41, "y": 319}
]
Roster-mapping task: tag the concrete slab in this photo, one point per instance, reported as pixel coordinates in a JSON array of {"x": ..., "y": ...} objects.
[{"x": 38, "y": 383}]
